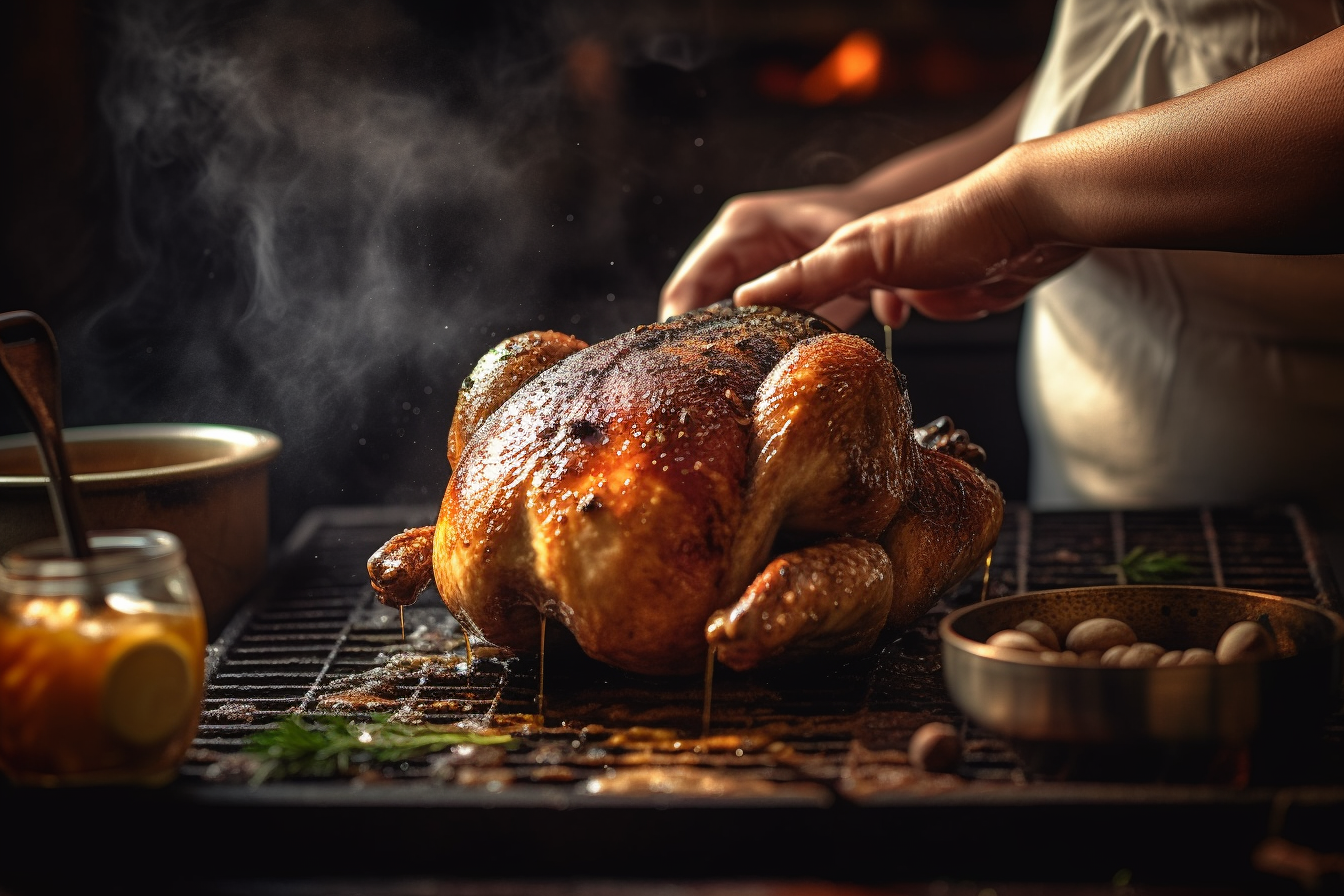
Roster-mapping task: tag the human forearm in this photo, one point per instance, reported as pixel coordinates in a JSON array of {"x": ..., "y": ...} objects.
[
  {"x": 753, "y": 233},
  {"x": 1254, "y": 163},
  {"x": 941, "y": 161}
]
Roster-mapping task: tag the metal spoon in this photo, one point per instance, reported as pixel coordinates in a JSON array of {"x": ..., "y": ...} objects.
[{"x": 28, "y": 355}]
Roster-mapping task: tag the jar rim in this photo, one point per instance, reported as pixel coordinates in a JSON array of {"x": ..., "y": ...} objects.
[{"x": 114, "y": 551}]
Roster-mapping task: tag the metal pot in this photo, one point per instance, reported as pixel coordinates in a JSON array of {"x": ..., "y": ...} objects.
[
  {"x": 205, "y": 484},
  {"x": 1020, "y": 696}
]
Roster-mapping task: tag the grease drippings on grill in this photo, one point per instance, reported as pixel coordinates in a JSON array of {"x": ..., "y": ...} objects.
[
  {"x": 383, "y": 689},
  {"x": 320, "y": 645},
  {"x": 709, "y": 692},
  {"x": 679, "y": 780}
]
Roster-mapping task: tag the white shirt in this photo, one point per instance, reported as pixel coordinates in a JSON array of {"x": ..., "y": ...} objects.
[{"x": 1153, "y": 378}]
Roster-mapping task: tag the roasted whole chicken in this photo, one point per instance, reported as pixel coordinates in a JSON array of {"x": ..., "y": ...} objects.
[{"x": 747, "y": 479}]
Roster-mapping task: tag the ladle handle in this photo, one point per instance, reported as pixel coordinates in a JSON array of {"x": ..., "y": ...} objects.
[{"x": 28, "y": 355}]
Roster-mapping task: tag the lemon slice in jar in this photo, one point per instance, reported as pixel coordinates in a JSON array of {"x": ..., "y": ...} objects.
[{"x": 147, "y": 688}]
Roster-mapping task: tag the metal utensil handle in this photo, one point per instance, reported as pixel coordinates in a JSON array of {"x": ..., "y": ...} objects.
[{"x": 28, "y": 355}]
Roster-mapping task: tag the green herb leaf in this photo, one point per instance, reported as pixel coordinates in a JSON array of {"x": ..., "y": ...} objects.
[
  {"x": 1142, "y": 566},
  {"x": 322, "y": 746}
]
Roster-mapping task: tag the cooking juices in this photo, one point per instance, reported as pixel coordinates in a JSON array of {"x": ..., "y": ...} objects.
[{"x": 101, "y": 661}]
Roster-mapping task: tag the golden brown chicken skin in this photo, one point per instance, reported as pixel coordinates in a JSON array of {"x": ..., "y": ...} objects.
[
  {"x": 500, "y": 373},
  {"x": 402, "y": 568},
  {"x": 636, "y": 487}
]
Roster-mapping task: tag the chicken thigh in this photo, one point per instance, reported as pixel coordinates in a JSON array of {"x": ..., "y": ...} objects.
[{"x": 744, "y": 478}]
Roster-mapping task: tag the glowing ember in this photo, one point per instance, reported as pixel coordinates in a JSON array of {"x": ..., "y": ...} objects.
[{"x": 850, "y": 71}]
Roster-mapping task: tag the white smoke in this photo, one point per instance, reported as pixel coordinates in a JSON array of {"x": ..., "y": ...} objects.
[
  {"x": 340, "y": 186},
  {"x": 307, "y": 212}
]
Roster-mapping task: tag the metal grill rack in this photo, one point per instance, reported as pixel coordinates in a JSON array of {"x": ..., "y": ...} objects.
[
  {"x": 820, "y": 789},
  {"x": 824, "y": 732}
]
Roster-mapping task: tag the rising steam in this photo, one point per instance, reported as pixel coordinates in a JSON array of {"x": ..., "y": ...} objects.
[{"x": 304, "y": 213}]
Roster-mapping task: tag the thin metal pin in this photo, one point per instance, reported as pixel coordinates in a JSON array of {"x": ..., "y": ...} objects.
[
  {"x": 1023, "y": 548},
  {"x": 1211, "y": 542},
  {"x": 984, "y": 586}
]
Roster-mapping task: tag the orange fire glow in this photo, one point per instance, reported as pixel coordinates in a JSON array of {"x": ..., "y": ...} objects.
[{"x": 851, "y": 71}]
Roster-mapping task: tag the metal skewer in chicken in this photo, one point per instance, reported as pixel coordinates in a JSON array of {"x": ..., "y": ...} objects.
[{"x": 745, "y": 477}]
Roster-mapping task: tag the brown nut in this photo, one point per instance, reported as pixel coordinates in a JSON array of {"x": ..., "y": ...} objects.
[
  {"x": 1101, "y": 633},
  {"x": 1170, "y": 658},
  {"x": 1244, "y": 642},
  {"x": 935, "y": 747},
  {"x": 1142, "y": 655},
  {"x": 1059, "y": 658},
  {"x": 1015, "y": 640},
  {"x": 1089, "y": 658},
  {"x": 1041, "y": 632},
  {"x": 1112, "y": 657},
  {"x": 1198, "y": 656}
]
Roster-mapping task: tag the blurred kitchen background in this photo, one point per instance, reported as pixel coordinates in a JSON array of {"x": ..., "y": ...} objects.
[{"x": 314, "y": 217}]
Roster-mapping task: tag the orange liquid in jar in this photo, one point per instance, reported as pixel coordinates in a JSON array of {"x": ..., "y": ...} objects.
[{"x": 98, "y": 695}]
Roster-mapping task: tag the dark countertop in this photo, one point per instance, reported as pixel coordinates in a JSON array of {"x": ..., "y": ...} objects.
[{"x": 417, "y": 833}]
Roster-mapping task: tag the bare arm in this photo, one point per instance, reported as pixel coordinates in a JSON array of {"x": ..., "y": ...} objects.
[
  {"x": 753, "y": 233},
  {"x": 942, "y": 161},
  {"x": 1250, "y": 164},
  {"x": 1254, "y": 163}
]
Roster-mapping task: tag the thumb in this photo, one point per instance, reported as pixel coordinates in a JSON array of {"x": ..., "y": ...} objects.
[{"x": 844, "y": 264}]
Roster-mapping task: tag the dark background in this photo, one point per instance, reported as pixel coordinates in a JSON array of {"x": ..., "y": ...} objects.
[{"x": 313, "y": 217}]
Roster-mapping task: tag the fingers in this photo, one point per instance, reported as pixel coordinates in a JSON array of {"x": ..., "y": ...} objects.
[
  {"x": 843, "y": 264},
  {"x": 889, "y": 309},
  {"x": 947, "y": 254},
  {"x": 701, "y": 278},
  {"x": 1007, "y": 288},
  {"x": 750, "y": 235},
  {"x": 844, "y": 312},
  {"x": 955, "y": 304},
  {"x": 705, "y": 274},
  {"x": 737, "y": 247},
  {"x": 888, "y": 256}
]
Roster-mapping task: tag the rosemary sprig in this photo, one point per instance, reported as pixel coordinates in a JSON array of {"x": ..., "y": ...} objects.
[
  {"x": 322, "y": 746},
  {"x": 1142, "y": 566}
]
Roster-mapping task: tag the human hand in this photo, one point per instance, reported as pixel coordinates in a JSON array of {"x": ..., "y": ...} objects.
[
  {"x": 752, "y": 234},
  {"x": 957, "y": 253}
]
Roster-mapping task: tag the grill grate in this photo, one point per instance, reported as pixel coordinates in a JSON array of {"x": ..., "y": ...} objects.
[{"x": 807, "y": 733}]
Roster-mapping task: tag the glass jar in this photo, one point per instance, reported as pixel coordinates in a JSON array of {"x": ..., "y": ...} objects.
[{"x": 101, "y": 661}]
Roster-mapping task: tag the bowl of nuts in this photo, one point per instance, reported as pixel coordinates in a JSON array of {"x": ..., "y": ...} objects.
[{"x": 1128, "y": 664}]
